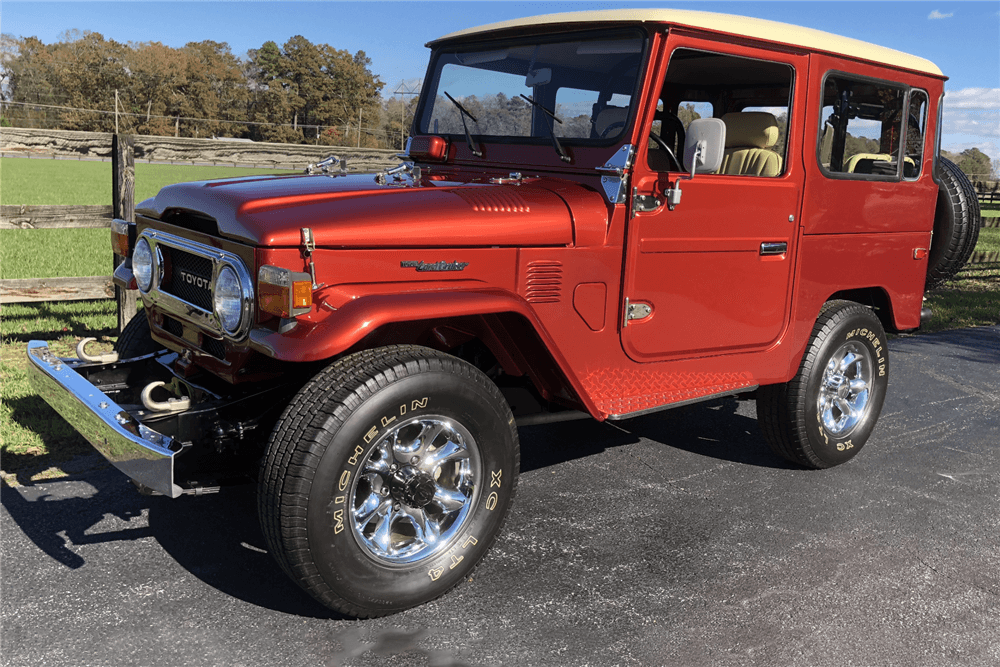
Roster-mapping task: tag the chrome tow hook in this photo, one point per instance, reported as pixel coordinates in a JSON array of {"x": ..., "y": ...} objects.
[{"x": 170, "y": 405}]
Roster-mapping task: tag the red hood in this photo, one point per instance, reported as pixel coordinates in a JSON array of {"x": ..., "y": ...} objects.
[{"x": 355, "y": 211}]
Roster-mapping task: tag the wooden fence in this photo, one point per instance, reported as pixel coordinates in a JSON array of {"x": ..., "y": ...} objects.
[{"x": 123, "y": 151}]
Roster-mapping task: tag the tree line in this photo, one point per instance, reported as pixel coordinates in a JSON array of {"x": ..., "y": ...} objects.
[{"x": 298, "y": 92}]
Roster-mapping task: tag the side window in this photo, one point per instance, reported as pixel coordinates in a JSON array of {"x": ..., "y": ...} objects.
[
  {"x": 916, "y": 126},
  {"x": 749, "y": 95},
  {"x": 689, "y": 111},
  {"x": 862, "y": 128}
]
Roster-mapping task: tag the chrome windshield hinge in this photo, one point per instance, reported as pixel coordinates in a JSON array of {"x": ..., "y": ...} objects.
[{"x": 614, "y": 172}]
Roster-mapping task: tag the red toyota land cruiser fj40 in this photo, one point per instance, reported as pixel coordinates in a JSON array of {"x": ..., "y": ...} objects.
[{"x": 368, "y": 345}]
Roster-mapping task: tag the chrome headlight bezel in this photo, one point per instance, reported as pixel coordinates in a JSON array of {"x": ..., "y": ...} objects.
[
  {"x": 228, "y": 299},
  {"x": 143, "y": 265}
]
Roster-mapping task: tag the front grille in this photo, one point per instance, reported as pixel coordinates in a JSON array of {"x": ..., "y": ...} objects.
[
  {"x": 185, "y": 289},
  {"x": 184, "y": 263}
]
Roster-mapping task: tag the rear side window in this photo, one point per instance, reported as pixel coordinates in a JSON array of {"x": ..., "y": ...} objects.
[
  {"x": 865, "y": 126},
  {"x": 916, "y": 126}
]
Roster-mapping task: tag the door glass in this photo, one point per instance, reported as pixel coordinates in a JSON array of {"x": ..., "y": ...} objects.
[
  {"x": 862, "y": 125},
  {"x": 749, "y": 96}
]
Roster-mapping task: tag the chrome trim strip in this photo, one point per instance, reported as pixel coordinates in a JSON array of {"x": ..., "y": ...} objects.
[
  {"x": 207, "y": 321},
  {"x": 140, "y": 452}
]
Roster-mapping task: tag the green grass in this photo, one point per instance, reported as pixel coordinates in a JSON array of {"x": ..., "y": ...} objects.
[
  {"x": 989, "y": 240},
  {"x": 34, "y": 442},
  {"x": 85, "y": 183},
  {"x": 54, "y": 253}
]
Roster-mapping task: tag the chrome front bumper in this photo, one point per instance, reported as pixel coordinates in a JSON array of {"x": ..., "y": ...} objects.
[{"x": 146, "y": 456}]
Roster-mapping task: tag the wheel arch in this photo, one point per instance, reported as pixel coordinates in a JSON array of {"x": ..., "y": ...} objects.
[
  {"x": 451, "y": 322},
  {"x": 876, "y": 298}
]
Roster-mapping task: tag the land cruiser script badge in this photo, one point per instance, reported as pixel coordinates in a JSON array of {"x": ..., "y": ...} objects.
[{"x": 436, "y": 266}]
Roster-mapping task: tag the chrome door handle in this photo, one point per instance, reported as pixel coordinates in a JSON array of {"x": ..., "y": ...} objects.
[{"x": 774, "y": 248}]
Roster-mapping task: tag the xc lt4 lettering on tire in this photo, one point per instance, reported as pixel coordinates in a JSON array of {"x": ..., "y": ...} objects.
[
  {"x": 387, "y": 479},
  {"x": 824, "y": 415}
]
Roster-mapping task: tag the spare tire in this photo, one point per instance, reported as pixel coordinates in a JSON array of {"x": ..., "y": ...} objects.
[{"x": 956, "y": 224}]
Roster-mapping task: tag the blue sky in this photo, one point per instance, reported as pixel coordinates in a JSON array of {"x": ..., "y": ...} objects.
[{"x": 962, "y": 38}]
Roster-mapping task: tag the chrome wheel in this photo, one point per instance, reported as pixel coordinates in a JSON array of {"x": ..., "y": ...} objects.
[
  {"x": 415, "y": 490},
  {"x": 845, "y": 389}
]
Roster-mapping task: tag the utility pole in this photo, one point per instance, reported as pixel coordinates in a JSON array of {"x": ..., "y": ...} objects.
[
  {"x": 359, "y": 127},
  {"x": 116, "y": 111},
  {"x": 401, "y": 90}
]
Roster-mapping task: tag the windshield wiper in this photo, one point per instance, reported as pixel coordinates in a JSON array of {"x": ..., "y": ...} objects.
[
  {"x": 552, "y": 128},
  {"x": 464, "y": 113}
]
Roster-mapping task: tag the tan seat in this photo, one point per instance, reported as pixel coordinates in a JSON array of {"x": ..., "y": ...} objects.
[
  {"x": 863, "y": 163},
  {"x": 749, "y": 138},
  {"x": 610, "y": 122}
]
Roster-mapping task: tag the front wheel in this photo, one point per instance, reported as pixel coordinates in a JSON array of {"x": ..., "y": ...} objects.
[
  {"x": 135, "y": 340},
  {"x": 388, "y": 478},
  {"x": 824, "y": 415}
]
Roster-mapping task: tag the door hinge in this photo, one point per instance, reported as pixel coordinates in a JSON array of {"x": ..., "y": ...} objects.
[
  {"x": 645, "y": 203},
  {"x": 636, "y": 310}
]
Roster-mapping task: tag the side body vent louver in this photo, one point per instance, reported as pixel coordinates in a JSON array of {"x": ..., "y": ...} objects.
[{"x": 543, "y": 281}]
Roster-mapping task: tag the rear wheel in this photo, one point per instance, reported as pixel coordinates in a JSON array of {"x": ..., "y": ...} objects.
[
  {"x": 388, "y": 478},
  {"x": 824, "y": 415}
]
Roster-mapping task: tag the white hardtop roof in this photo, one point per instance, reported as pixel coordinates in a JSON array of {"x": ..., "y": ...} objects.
[{"x": 772, "y": 31}]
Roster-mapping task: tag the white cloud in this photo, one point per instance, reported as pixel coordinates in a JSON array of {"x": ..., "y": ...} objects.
[
  {"x": 982, "y": 123},
  {"x": 972, "y": 114},
  {"x": 938, "y": 15},
  {"x": 972, "y": 98},
  {"x": 991, "y": 148}
]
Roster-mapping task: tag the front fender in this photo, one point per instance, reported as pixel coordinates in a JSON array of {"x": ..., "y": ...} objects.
[{"x": 359, "y": 317}]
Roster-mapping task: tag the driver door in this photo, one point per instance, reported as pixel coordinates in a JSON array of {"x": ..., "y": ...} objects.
[{"x": 716, "y": 271}]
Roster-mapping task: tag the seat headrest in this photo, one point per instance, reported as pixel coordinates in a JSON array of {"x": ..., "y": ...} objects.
[
  {"x": 751, "y": 129},
  {"x": 610, "y": 116}
]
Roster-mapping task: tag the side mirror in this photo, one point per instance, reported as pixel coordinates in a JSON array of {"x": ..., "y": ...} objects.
[
  {"x": 704, "y": 145},
  {"x": 704, "y": 148}
]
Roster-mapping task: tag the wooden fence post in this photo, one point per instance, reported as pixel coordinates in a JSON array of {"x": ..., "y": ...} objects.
[{"x": 123, "y": 207}]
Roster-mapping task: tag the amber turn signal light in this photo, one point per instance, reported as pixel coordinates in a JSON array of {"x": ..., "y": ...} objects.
[
  {"x": 282, "y": 292},
  {"x": 119, "y": 237}
]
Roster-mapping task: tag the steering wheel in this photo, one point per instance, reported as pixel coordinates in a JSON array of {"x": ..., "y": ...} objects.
[
  {"x": 671, "y": 125},
  {"x": 613, "y": 126},
  {"x": 658, "y": 140}
]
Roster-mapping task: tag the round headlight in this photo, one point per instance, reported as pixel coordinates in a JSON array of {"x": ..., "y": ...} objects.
[
  {"x": 142, "y": 265},
  {"x": 229, "y": 300}
]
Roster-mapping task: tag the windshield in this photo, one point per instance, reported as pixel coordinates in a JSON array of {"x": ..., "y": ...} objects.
[{"x": 578, "y": 89}]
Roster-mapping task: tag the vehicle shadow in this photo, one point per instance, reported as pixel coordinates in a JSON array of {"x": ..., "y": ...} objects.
[
  {"x": 713, "y": 429},
  {"x": 214, "y": 537}
]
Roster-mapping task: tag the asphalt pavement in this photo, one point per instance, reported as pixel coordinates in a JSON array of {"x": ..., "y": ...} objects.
[{"x": 671, "y": 539}]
